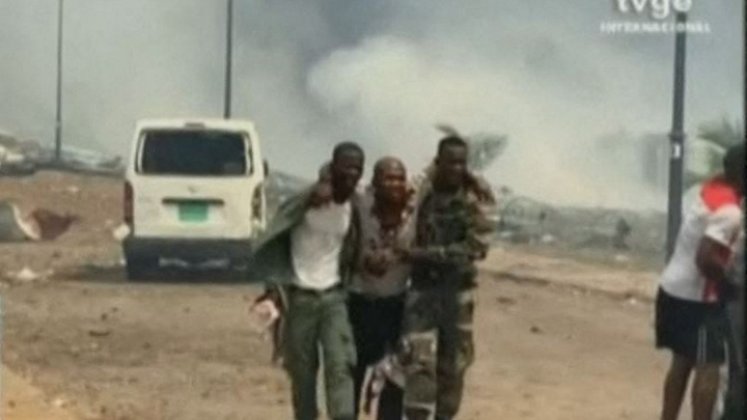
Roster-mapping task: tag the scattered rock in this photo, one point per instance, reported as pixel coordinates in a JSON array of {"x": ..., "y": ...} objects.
[
  {"x": 121, "y": 232},
  {"x": 99, "y": 332},
  {"x": 26, "y": 275},
  {"x": 535, "y": 330},
  {"x": 104, "y": 316},
  {"x": 547, "y": 239},
  {"x": 621, "y": 258},
  {"x": 505, "y": 300},
  {"x": 11, "y": 404}
]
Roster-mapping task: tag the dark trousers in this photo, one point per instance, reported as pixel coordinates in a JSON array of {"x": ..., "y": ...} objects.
[
  {"x": 376, "y": 323},
  {"x": 734, "y": 398}
]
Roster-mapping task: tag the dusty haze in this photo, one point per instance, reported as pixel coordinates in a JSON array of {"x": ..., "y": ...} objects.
[{"x": 380, "y": 72}]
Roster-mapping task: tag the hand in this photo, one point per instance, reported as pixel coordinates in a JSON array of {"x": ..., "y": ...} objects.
[
  {"x": 378, "y": 261},
  {"x": 264, "y": 313},
  {"x": 402, "y": 253},
  {"x": 321, "y": 195}
]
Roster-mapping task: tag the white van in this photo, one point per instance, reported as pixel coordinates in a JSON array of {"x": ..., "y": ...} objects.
[{"x": 194, "y": 191}]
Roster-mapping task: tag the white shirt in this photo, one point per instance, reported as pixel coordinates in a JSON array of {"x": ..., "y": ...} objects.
[
  {"x": 715, "y": 214},
  {"x": 316, "y": 244}
]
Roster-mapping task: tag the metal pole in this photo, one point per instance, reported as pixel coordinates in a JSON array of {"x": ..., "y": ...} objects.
[
  {"x": 229, "y": 59},
  {"x": 58, "y": 117},
  {"x": 677, "y": 137}
]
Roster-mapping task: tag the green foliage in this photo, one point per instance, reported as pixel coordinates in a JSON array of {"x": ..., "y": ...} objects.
[{"x": 718, "y": 136}]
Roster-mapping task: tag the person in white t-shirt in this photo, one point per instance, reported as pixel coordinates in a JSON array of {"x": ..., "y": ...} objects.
[
  {"x": 694, "y": 287},
  {"x": 307, "y": 256}
]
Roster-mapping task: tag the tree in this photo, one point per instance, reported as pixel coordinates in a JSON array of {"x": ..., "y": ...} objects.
[
  {"x": 484, "y": 148},
  {"x": 716, "y": 137}
]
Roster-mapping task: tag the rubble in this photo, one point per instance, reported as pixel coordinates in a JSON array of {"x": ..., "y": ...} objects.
[
  {"x": 121, "y": 232},
  {"x": 613, "y": 231},
  {"x": 39, "y": 224},
  {"x": 99, "y": 332},
  {"x": 16, "y": 157},
  {"x": 26, "y": 157},
  {"x": 26, "y": 275}
]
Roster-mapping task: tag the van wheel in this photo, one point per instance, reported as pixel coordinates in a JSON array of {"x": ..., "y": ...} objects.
[{"x": 140, "y": 268}]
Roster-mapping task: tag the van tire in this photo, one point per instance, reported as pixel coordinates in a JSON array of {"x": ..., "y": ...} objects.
[{"x": 140, "y": 267}]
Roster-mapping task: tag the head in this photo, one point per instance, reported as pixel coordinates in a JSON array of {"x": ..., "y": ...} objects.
[
  {"x": 390, "y": 181},
  {"x": 734, "y": 164},
  {"x": 346, "y": 169},
  {"x": 451, "y": 162}
]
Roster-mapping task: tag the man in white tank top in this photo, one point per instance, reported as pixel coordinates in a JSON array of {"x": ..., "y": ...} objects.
[{"x": 308, "y": 254}]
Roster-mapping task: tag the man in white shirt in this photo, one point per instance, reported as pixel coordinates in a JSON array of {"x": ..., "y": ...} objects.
[
  {"x": 690, "y": 316},
  {"x": 308, "y": 253}
]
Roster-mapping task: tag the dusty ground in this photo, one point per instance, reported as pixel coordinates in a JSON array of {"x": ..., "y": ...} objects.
[{"x": 97, "y": 347}]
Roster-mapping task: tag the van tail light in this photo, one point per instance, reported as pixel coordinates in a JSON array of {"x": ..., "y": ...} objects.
[
  {"x": 257, "y": 203},
  {"x": 128, "y": 204}
]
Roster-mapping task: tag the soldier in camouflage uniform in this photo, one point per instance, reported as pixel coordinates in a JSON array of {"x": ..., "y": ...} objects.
[{"x": 437, "y": 342}]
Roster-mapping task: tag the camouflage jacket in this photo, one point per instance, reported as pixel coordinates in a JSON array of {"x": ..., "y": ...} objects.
[
  {"x": 452, "y": 233},
  {"x": 273, "y": 264}
]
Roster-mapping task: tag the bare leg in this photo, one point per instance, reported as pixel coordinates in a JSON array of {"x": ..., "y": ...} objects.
[
  {"x": 705, "y": 389},
  {"x": 675, "y": 386}
]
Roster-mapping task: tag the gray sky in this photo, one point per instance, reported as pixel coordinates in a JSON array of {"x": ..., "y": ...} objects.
[{"x": 382, "y": 72}]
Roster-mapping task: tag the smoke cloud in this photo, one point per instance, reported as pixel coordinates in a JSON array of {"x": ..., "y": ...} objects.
[{"x": 382, "y": 73}]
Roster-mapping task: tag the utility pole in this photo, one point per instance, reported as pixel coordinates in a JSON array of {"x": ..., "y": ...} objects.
[
  {"x": 229, "y": 60},
  {"x": 677, "y": 136},
  {"x": 58, "y": 117}
]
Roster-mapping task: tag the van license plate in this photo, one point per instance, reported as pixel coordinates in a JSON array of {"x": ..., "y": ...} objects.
[{"x": 193, "y": 212}]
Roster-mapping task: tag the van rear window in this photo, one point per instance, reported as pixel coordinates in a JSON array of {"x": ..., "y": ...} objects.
[{"x": 194, "y": 153}]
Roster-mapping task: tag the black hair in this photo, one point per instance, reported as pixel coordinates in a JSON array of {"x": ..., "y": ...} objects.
[
  {"x": 734, "y": 161},
  {"x": 450, "y": 141},
  {"x": 346, "y": 147}
]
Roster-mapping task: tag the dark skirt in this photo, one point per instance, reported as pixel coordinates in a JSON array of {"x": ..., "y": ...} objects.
[{"x": 694, "y": 330}]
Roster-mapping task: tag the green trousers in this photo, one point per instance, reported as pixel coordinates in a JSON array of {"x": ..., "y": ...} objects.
[{"x": 319, "y": 321}]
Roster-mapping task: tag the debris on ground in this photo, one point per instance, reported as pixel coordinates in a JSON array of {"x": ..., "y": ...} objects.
[
  {"x": 622, "y": 258},
  {"x": 99, "y": 332},
  {"x": 37, "y": 225},
  {"x": 121, "y": 232},
  {"x": 504, "y": 300}
]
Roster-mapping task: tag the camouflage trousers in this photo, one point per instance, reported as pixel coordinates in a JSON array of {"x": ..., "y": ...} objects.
[{"x": 437, "y": 349}]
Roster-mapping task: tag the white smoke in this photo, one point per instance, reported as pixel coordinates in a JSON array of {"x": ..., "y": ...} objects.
[{"x": 380, "y": 72}]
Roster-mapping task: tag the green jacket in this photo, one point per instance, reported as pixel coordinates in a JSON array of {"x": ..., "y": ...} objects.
[{"x": 273, "y": 263}]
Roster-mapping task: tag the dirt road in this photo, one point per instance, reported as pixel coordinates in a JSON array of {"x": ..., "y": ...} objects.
[
  {"x": 103, "y": 348},
  {"x": 115, "y": 350}
]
